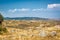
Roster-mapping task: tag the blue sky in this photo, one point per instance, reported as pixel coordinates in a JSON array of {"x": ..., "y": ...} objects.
[{"x": 30, "y": 8}]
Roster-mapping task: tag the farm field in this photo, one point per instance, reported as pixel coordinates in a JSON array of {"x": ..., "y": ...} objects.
[{"x": 31, "y": 30}]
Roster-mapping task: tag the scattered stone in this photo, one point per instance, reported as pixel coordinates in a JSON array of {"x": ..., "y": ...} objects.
[
  {"x": 43, "y": 33},
  {"x": 57, "y": 26},
  {"x": 53, "y": 33}
]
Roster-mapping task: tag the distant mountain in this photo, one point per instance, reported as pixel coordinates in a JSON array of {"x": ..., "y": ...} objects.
[{"x": 25, "y": 18}]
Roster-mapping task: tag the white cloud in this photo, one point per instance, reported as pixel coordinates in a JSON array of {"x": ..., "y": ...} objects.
[
  {"x": 23, "y": 9},
  {"x": 41, "y": 9},
  {"x": 53, "y": 6},
  {"x": 50, "y": 7},
  {"x": 36, "y": 9},
  {"x": 14, "y": 10},
  {"x": 1, "y": 12}
]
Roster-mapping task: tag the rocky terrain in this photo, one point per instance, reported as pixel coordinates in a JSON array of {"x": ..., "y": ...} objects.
[{"x": 31, "y": 30}]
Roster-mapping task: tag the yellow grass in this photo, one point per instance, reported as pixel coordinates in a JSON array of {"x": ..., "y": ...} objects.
[{"x": 30, "y": 30}]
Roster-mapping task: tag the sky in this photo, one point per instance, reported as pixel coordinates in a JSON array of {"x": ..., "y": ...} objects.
[{"x": 30, "y": 8}]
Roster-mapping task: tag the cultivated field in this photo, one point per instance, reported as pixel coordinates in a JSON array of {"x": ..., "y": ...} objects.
[{"x": 31, "y": 30}]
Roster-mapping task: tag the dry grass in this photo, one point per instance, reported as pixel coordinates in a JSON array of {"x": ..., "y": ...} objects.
[{"x": 31, "y": 30}]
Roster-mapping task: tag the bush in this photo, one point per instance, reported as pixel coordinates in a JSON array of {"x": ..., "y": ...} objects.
[
  {"x": 2, "y": 29},
  {"x": 1, "y": 19}
]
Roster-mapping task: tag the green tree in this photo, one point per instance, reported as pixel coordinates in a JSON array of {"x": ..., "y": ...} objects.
[
  {"x": 1, "y": 19},
  {"x": 2, "y": 29}
]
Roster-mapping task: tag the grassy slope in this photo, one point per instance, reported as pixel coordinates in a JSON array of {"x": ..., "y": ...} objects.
[{"x": 15, "y": 32}]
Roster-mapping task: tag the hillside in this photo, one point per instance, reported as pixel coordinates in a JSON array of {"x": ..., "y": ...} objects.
[
  {"x": 31, "y": 30},
  {"x": 25, "y": 18}
]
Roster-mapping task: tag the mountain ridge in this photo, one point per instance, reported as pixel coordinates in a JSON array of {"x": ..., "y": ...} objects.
[{"x": 25, "y": 18}]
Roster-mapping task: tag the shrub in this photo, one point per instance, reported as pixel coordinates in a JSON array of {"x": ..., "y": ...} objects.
[
  {"x": 2, "y": 29},
  {"x": 1, "y": 19}
]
